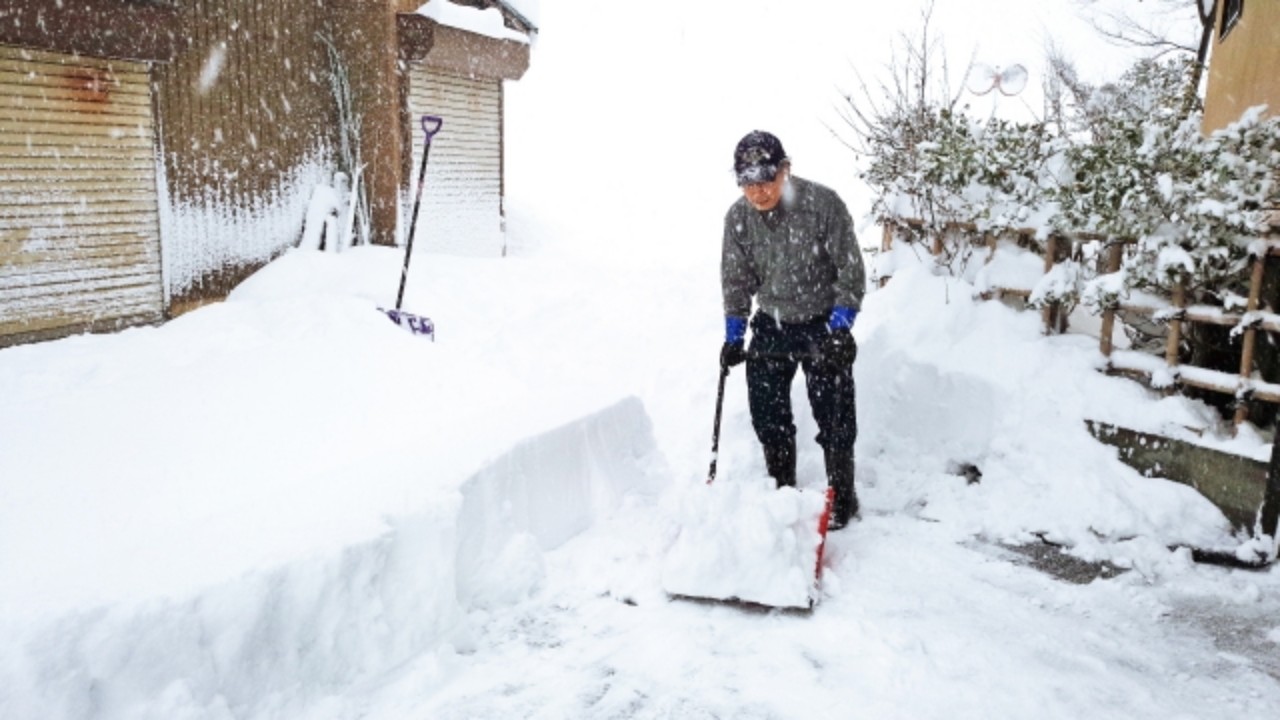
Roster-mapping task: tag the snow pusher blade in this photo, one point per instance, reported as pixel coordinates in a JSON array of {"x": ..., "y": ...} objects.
[
  {"x": 748, "y": 542},
  {"x": 416, "y": 324}
]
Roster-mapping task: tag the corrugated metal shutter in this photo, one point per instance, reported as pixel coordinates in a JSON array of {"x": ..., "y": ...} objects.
[
  {"x": 462, "y": 203},
  {"x": 79, "y": 237}
]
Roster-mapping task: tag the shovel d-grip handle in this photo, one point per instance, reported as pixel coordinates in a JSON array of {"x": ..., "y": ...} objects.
[{"x": 431, "y": 125}]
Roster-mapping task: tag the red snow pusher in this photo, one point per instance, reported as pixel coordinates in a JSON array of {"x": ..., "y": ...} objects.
[
  {"x": 748, "y": 542},
  {"x": 416, "y": 324}
]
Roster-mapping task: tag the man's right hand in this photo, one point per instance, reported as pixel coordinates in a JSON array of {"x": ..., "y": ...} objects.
[
  {"x": 733, "y": 353},
  {"x": 838, "y": 350}
]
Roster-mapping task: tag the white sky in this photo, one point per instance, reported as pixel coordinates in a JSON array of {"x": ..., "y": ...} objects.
[{"x": 664, "y": 91}]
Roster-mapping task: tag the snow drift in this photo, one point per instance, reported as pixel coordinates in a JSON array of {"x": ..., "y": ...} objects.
[{"x": 300, "y": 632}]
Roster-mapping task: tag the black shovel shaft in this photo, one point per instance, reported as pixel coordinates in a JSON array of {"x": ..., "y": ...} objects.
[
  {"x": 715, "y": 431},
  {"x": 430, "y": 125},
  {"x": 724, "y": 376}
]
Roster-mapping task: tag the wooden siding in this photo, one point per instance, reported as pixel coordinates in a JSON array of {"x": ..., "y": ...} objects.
[
  {"x": 1243, "y": 66},
  {"x": 126, "y": 29},
  {"x": 464, "y": 53},
  {"x": 79, "y": 242},
  {"x": 462, "y": 200},
  {"x": 366, "y": 34},
  {"x": 247, "y": 114}
]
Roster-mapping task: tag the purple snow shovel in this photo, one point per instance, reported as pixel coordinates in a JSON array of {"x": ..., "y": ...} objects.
[{"x": 416, "y": 324}]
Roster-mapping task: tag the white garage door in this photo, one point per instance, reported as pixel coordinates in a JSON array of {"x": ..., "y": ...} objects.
[
  {"x": 462, "y": 201},
  {"x": 79, "y": 237}
]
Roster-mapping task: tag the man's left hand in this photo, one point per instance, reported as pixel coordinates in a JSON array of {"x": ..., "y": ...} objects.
[{"x": 839, "y": 349}]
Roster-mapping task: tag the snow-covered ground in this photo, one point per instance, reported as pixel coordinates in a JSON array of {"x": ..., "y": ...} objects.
[{"x": 284, "y": 506}]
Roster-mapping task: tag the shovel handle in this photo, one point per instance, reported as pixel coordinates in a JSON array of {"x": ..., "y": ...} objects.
[
  {"x": 715, "y": 431},
  {"x": 431, "y": 125}
]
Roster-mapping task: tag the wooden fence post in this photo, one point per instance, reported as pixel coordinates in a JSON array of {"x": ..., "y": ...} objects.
[
  {"x": 1250, "y": 335},
  {"x": 1269, "y": 516},
  {"x": 1115, "y": 254},
  {"x": 886, "y": 244},
  {"x": 1049, "y": 313},
  {"x": 1175, "y": 322}
]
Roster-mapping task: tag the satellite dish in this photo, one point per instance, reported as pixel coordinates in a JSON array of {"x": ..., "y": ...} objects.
[
  {"x": 1012, "y": 80},
  {"x": 983, "y": 79}
]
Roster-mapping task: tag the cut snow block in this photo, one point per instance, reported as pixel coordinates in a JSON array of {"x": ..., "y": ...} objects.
[
  {"x": 549, "y": 489},
  {"x": 746, "y": 541}
]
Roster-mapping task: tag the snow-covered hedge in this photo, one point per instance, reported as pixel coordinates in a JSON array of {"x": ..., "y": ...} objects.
[{"x": 1130, "y": 163}]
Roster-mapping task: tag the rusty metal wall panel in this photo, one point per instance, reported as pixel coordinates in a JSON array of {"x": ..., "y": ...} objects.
[
  {"x": 246, "y": 130},
  {"x": 462, "y": 200},
  {"x": 79, "y": 242}
]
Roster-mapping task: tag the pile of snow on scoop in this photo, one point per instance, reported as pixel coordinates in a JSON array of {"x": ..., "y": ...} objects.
[{"x": 744, "y": 540}]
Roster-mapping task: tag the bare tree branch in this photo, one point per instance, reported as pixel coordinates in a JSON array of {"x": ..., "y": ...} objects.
[{"x": 1123, "y": 28}]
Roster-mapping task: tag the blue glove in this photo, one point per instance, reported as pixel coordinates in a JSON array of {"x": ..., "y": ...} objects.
[
  {"x": 735, "y": 329},
  {"x": 842, "y": 318}
]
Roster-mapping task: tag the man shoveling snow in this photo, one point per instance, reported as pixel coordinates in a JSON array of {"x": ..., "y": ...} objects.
[{"x": 789, "y": 244}]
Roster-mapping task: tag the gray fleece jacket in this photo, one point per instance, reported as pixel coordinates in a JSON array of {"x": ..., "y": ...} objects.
[{"x": 798, "y": 260}]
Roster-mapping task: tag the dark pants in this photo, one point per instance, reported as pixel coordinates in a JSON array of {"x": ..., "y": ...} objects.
[{"x": 831, "y": 392}]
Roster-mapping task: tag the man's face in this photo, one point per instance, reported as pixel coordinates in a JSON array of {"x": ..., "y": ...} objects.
[{"x": 764, "y": 196}]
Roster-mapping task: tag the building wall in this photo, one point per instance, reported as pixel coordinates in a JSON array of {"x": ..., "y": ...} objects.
[
  {"x": 1244, "y": 68},
  {"x": 459, "y": 76},
  {"x": 79, "y": 228},
  {"x": 79, "y": 231},
  {"x": 461, "y": 201},
  {"x": 247, "y": 128},
  {"x": 126, "y": 29},
  {"x": 367, "y": 35},
  {"x": 244, "y": 115}
]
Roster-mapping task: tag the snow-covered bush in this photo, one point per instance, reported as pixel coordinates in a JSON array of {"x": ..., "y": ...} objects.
[
  {"x": 1132, "y": 165},
  {"x": 1147, "y": 174},
  {"x": 1060, "y": 286},
  {"x": 947, "y": 168}
]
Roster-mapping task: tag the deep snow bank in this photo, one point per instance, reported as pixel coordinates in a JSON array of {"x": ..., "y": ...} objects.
[
  {"x": 945, "y": 380},
  {"x": 269, "y": 640}
]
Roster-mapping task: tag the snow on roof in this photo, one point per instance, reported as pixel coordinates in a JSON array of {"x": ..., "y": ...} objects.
[{"x": 481, "y": 22}]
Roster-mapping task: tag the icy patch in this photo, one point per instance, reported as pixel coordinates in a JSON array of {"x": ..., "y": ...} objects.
[{"x": 746, "y": 540}]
